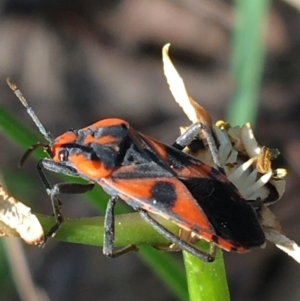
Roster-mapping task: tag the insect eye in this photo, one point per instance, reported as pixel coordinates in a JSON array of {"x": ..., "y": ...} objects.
[{"x": 63, "y": 155}]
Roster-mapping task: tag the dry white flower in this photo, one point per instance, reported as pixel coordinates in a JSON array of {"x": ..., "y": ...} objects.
[
  {"x": 247, "y": 165},
  {"x": 16, "y": 219}
]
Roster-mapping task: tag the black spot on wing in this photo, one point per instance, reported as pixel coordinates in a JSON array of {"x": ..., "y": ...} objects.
[
  {"x": 229, "y": 214},
  {"x": 164, "y": 194}
]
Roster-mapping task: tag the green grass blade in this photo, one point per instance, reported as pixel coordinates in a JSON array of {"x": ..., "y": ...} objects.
[
  {"x": 16, "y": 131},
  {"x": 173, "y": 274},
  {"x": 248, "y": 50}
]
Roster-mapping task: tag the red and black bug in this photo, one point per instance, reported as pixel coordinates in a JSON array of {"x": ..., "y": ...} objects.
[{"x": 152, "y": 178}]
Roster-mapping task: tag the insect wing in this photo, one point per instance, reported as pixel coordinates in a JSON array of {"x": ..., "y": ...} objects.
[
  {"x": 166, "y": 197},
  {"x": 220, "y": 213}
]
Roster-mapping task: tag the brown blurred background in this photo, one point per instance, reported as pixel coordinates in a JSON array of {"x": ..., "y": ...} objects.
[{"x": 80, "y": 61}]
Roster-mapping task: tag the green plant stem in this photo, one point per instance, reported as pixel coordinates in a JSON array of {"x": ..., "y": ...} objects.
[
  {"x": 206, "y": 281},
  {"x": 129, "y": 228}
]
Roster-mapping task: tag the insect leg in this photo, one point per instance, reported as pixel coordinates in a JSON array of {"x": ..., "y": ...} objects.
[
  {"x": 187, "y": 137},
  {"x": 183, "y": 245},
  {"x": 109, "y": 232},
  {"x": 53, "y": 192}
]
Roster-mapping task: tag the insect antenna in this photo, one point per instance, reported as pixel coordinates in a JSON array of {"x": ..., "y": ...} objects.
[
  {"x": 31, "y": 149},
  {"x": 30, "y": 111}
]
